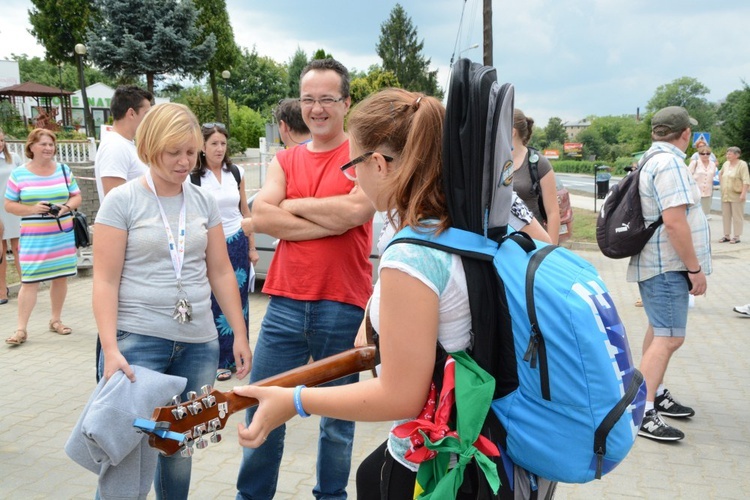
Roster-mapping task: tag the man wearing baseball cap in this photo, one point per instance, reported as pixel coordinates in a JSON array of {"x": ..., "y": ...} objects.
[{"x": 672, "y": 266}]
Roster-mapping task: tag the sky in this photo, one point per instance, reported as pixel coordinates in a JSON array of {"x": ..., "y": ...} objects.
[{"x": 566, "y": 59}]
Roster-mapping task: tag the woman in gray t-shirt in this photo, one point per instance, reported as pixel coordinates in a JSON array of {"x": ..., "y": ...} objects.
[{"x": 159, "y": 251}]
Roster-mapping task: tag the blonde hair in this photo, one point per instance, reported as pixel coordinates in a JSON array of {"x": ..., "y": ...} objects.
[
  {"x": 409, "y": 125},
  {"x": 164, "y": 126},
  {"x": 36, "y": 136},
  {"x": 5, "y": 150}
]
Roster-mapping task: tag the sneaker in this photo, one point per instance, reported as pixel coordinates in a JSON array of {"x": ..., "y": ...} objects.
[
  {"x": 653, "y": 427},
  {"x": 669, "y": 407},
  {"x": 742, "y": 309}
]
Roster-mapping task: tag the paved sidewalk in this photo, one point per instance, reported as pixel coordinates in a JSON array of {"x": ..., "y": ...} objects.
[{"x": 49, "y": 379}]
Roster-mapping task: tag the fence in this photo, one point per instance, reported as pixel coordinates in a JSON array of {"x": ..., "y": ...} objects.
[{"x": 70, "y": 152}]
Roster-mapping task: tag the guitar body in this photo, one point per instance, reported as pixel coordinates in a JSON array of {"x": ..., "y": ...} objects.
[{"x": 196, "y": 422}]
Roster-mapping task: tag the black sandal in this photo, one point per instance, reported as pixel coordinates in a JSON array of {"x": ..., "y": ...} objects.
[{"x": 724, "y": 240}]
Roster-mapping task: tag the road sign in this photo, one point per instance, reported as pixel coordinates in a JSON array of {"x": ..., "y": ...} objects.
[{"x": 701, "y": 136}]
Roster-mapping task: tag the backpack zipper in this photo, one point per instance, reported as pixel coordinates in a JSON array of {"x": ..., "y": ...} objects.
[
  {"x": 537, "y": 350},
  {"x": 601, "y": 433}
]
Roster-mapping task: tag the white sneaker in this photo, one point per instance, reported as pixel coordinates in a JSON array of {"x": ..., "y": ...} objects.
[{"x": 742, "y": 309}]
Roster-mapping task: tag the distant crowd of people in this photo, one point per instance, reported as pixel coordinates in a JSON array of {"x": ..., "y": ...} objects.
[{"x": 174, "y": 253}]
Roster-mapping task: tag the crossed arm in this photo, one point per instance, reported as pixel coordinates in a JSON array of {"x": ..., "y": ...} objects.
[{"x": 306, "y": 218}]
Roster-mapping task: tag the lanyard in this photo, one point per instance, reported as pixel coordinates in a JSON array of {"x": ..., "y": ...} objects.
[{"x": 177, "y": 252}]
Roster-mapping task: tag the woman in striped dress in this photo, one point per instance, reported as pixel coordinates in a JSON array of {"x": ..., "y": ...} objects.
[{"x": 43, "y": 193}]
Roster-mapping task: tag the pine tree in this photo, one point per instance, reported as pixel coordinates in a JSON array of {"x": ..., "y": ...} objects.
[
  {"x": 401, "y": 52},
  {"x": 214, "y": 19},
  {"x": 151, "y": 37},
  {"x": 296, "y": 64}
]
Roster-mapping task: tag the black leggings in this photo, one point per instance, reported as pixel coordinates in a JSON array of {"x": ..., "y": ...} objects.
[{"x": 381, "y": 477}]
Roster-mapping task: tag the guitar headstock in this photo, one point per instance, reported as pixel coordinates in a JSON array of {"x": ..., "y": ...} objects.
[{"x": 191, "y": 423}]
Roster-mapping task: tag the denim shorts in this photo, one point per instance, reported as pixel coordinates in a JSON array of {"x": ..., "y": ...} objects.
[{"x": 665, "y": 298}]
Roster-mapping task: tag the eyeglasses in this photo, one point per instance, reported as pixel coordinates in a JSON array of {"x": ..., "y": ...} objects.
[
  {"x": 214, "y": 125},
  {"x": 325, "y": 102},
  {"x": 705, "y": 154},
  {"x": 350, "y": 173}
]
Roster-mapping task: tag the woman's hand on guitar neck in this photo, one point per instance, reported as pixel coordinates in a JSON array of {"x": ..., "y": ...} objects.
[{"x": 275, "y": 407}]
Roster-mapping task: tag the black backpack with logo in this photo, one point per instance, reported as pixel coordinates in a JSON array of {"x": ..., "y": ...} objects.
[{"x": 621, "y": 230}]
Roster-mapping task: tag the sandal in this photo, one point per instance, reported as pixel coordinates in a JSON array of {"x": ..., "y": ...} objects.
[
  {"x": 223, "y": 374},
  {"x": 734, "y": 240},
  {"x": 59, "y": 328},
  {"x": 18, "y": 338},
  {"x": 724, "y": 239}
]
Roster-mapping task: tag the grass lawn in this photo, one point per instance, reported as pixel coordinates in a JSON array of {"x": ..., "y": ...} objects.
[{"x": 584, "y": 225}]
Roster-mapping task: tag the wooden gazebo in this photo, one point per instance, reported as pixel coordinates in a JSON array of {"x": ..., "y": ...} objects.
[{"x": 43, "y": 95}]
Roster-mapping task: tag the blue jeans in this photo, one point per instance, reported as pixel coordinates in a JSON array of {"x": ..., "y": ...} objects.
[
  {"x": 291, "y": 332},
  {"x": 197, "y": 363}
]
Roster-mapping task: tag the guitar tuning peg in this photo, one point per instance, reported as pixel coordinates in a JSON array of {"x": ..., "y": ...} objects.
[
  {"x": 192, "y": 395},
  {"x": 186, "y": 451},
  {"x": 176, "y": 400},
  {"x": 215, "y": 437},
  {"x": 201, "y": 443},
  {"x": 206, "y": 389}
]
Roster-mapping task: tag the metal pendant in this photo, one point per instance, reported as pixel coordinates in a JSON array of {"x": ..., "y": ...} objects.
[{"x": 183, "y": 311}]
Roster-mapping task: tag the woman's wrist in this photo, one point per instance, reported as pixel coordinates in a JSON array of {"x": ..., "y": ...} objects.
[{"x": 298, "y": 402}]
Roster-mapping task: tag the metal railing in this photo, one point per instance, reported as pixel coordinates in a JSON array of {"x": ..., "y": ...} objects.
[{"x": 69, "y": 152}]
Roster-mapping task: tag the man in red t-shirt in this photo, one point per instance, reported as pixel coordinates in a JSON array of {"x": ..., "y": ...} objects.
[{"x": 320, "y": 277}]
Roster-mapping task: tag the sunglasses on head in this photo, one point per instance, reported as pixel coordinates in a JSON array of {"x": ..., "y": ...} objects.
[{"x": 214, "y": 125}]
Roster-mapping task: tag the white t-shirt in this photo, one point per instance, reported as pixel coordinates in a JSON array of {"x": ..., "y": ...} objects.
[
  {"x": 227, "y": 196},
  {"x": 116, "y": 157}
]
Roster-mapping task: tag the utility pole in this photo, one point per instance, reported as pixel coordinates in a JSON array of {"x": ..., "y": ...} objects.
[{"x": 487, "y": 16}]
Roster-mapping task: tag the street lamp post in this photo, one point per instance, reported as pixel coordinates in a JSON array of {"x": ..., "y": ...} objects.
[
  {"x": 226, "y": 74},
  {"x": 80, "y": 50},
  {"x": 476, "y": 45},
  {"x": 62, "y": 97}
]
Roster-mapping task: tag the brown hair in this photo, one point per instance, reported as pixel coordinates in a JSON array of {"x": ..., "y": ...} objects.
[
  {"x": 409, "y": 125},
  {"x": 201, "y": 164},
  {"x": 524, "y": 125},
  {"x": 36, "y": 136}
]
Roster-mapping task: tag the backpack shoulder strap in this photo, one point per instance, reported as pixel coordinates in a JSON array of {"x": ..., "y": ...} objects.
[
  {"x": 534, "y": 170},
  {"x": 236, "y": 173},
  {"x": 452, "y": 240}
]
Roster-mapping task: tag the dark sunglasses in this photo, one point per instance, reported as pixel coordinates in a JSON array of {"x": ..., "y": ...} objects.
[
  {"x": 360, "y": 159},
  {"x": 705, "y": 154}
]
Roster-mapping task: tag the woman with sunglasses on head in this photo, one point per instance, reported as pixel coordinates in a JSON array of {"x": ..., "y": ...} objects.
[
  {"x": 420, "y": 298},
  {"x": 159, "y": 252},
  {"x": 703, "y": 169},
  {"x": 216, "y": 173}
]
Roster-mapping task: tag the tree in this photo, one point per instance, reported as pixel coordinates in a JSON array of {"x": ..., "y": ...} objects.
[
  {"x": 35, "y": 69},
  {"x": 322, "y": 54},
  {"x": 136, "y": 37},
  {"x": 214, "y": 20},
  {"x": 258, "y": 82},
  {"x": 377, "y": 78},
  {"x": 296, "y": 64},
  {"x": 401, "y": 53},
  {"x": 59, "y": 25},
  {"x": 735, "y": 115},
  {"x": 555, "y": 131},
  {"x": 688, "y": 93}
]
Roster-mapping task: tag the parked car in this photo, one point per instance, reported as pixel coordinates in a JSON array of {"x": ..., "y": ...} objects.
[
  {"x": 266, "y": 246},
  {"x": 566, "y": 212}
]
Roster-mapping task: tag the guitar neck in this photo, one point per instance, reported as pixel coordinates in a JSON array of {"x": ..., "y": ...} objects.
[
  {"x": 312, "y": 374},
  {"x": 188, "y": 422}
]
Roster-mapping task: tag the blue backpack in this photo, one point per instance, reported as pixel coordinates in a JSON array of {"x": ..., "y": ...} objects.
[{"x": 573, "y": 407}]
